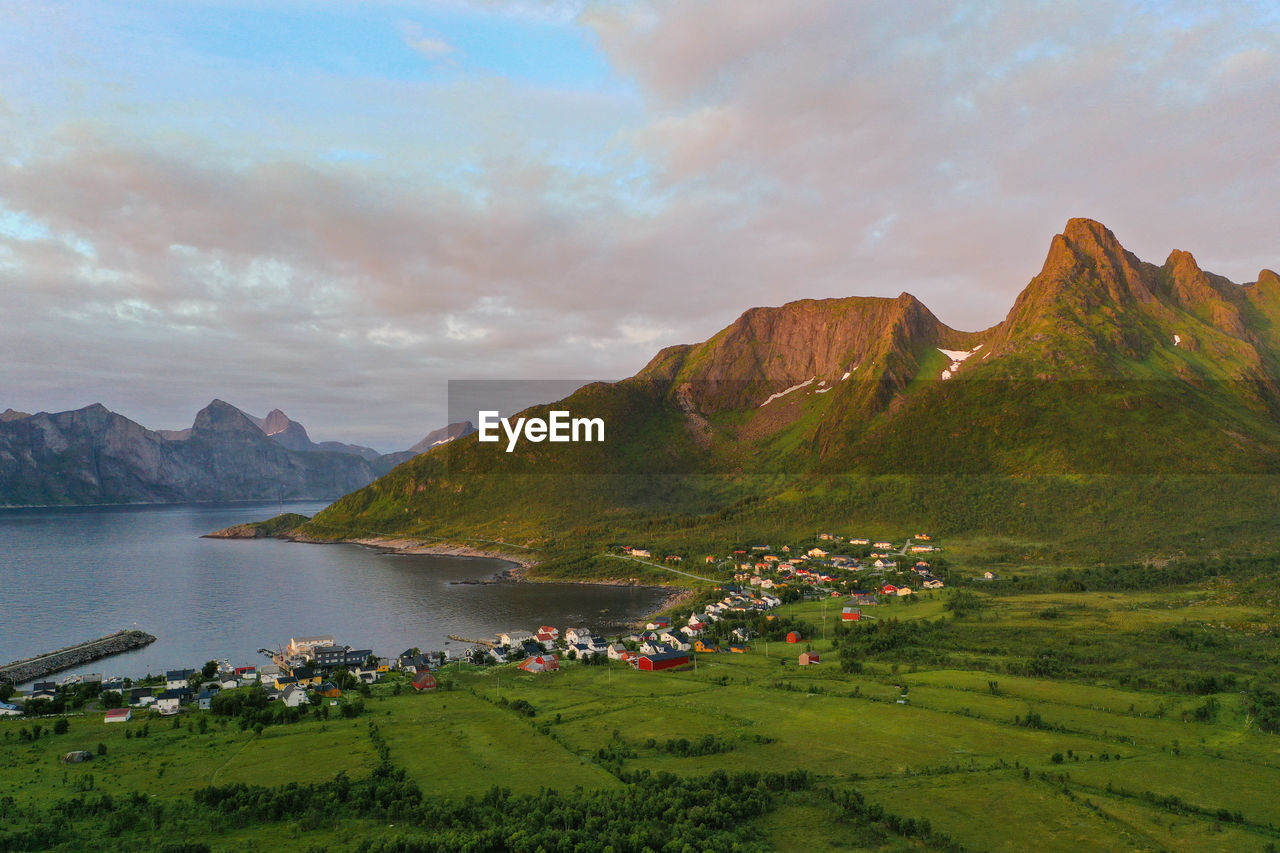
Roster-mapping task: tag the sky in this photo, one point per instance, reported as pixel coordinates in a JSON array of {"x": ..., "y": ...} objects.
[{"x": 335, "y": 208}]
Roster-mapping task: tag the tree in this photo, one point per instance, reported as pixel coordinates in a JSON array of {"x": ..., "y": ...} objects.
[
  {"x": 210, "y": 669},
  {"x": 61, "y": 726},
  {"x": 6, "y": 690}
]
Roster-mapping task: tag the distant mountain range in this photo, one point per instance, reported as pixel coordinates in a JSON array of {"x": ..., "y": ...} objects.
[
  {"x": 93, "y": 456},
  {"x": 1110, "y": 383}
]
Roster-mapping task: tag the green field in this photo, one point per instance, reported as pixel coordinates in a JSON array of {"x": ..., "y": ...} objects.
[{"x": 1111, "y": 748}]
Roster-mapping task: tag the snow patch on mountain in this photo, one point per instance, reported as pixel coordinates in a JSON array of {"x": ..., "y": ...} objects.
[{"x": 773, "y": 397}]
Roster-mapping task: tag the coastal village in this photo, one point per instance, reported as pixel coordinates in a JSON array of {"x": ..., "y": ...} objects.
[{"x": 317, "y": 670}]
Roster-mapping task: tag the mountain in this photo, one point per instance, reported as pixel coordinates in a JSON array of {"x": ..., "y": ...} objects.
[
  {"x": 1117, "y": 399},
  {"x": 444, "y": 435},
  {"x": 93, "y": 455},
  {"x": 435, "y": 438},
  {"x": 293, "y": 435}
]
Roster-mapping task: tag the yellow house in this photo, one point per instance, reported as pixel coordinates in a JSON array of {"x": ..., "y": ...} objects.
[{"x": 704, "y": 646}]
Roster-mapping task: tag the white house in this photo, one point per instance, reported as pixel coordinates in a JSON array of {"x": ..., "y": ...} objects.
[
  {"x": 293, "y": 696},
  {"x": 511, "y": 639},
  {"x": 573, "y": 636}
]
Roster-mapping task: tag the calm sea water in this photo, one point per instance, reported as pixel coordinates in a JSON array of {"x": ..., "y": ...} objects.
[{"x": 68, "y": 575}]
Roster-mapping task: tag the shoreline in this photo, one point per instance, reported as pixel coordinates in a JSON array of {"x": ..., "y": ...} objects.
[
  {"x": 520, "y": 570},
  {"x": 518, "y": 573}
]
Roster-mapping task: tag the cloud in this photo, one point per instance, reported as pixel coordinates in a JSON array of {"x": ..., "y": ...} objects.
[
  {"x": 429, "y": 45},
  {"x": 159, "y": 249}
]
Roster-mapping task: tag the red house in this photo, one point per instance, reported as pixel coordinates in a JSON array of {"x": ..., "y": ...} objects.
[
  {"x": 889, "y": 589},
  {"x": 540, "y": 663},
  {"x": 850, "y": 614},
  {"x": 664, "y": 660},
  {"x": 422, "y": 681},
  {"x": 793, "y": 637}
]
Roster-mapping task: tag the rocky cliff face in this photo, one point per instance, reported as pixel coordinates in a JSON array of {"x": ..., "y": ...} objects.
[{"x": 93, "y": 455}]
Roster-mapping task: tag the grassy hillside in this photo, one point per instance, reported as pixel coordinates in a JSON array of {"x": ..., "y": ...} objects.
[{"x": 1122, "y": 407}]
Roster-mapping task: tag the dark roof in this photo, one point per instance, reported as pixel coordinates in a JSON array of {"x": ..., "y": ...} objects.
[{"x": 666, "y": 655}]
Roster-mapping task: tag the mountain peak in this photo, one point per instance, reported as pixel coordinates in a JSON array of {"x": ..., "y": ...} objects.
[
  {"x": 275, "y": 421},
  {"x": 1087, "y": 259},
  {"x": 221, "y": 416}
]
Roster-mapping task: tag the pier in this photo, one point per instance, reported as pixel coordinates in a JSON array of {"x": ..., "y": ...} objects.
[
  {"x": 489, "y": 643},
  {"x": 39, "y": 666}
]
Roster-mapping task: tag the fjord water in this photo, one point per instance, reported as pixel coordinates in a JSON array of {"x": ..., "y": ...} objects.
[{"x": 72, "y": 574}]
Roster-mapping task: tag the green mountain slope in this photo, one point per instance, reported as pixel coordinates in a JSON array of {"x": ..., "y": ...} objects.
[{"x": 1117, "y": 398}]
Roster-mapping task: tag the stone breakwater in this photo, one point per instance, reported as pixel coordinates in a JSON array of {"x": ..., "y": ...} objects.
[{"x": 39, "y": 666}]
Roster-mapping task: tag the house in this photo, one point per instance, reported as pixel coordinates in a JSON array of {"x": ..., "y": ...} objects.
[
  {"x": 579, "y": 651},
  {"x": 43, "y": 690},
  {"x": 889, "y": 589},
  {"x": 118, "y": 715},
  {"x": 807, "y": 658},
  {"x": 328, "y": 690},
  {"x": 141, "y": 696},
  {"x": 540, "y": 663},
  {"x": 883, "y": 545},
  {"x": 616, "y": 651},
  {"x": 424, "y": 681},
  {"x": 905, "y": 590},
  {"x": 674, "y": 558},
  {"x": 168, "y": 702},
  {"x": 306, "y": 675},
  {"x": 817, "y": 552},
  {"x": 176, "y": 679},
  {"x": 329, "y": 656},
  {"x": 293, "y": 696},
  {"x": 662, "y": 660},
  {"x": 850, "y": 614},
  {"x": 988, "y": 576},
  {"x": 365, "y": 672},
  {"x": 640, "y": 552},
  {"x": 933, "y": 583},
  {"x": 658, "y": 623},
  {"x": 739, "y": 648},
  {"x": 204, "y": 700},
  {"x": 705, "y": 646},
  {"x": 653, "y": 647},
  {"x": 302, "y": 647},
  {"x": 863, "y": 599},
  {"x": 709, "y": 559},
  {"x": 859, "y": 541},
  {"x": 531, "y": 649},
  {"x": 573, "y": 636},
  {"x": 924, "y": 536},
  {"x": 512, "y": 639},
  {"x": 7, "y": 710},
  {"x": 793, "y": 637},
  {"x": 248, "y": 673}
]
